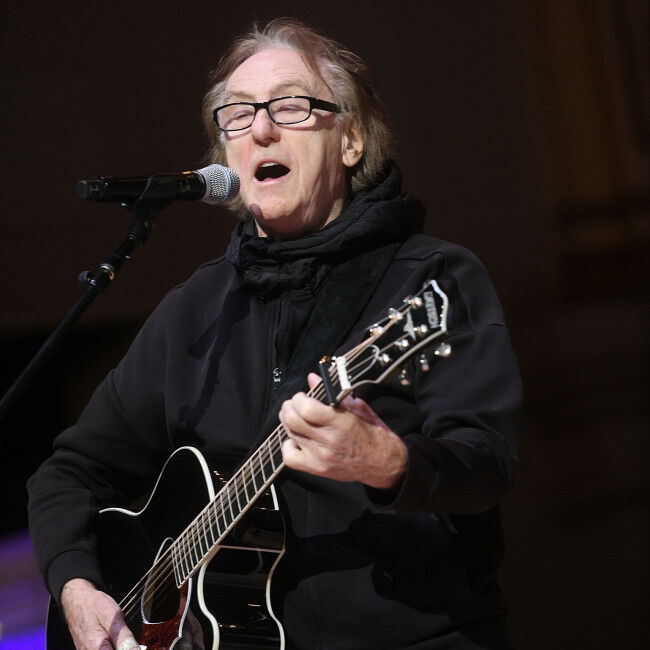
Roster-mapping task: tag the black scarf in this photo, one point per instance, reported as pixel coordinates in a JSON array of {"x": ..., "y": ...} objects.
[
  {"x": 371, "y": 219},
  {"x": 358, "y": 246}
]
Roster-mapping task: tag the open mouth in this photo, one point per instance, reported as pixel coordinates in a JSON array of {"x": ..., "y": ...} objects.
[{"x": 270, "y": 170}]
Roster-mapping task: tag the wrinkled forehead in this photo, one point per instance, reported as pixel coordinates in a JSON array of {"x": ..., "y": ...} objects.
[{"x": 273, "y": 73}]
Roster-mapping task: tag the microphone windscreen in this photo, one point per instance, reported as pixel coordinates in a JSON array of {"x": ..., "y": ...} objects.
[{"x": 221, "y": 183}]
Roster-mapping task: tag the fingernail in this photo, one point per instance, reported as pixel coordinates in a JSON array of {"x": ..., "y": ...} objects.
[{"x": 129, "y": 644}]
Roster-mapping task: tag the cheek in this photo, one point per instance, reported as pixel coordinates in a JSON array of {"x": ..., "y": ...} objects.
[
  {"x": 323, "y": 160},
  {"x": 235, "y": 154}
]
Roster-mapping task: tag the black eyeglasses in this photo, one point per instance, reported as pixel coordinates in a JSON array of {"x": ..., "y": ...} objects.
[{"x": 292, "y": 109}]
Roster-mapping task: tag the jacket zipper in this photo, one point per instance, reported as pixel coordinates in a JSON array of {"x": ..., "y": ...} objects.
[{"x": 276, "y": 373}]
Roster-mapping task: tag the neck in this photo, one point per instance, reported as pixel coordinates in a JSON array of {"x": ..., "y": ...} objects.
[{"x": 298, "y": 227}]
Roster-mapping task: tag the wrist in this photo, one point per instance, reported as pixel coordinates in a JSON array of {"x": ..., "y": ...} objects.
[
  {"x": 75, "y": 586},
  {"x": 394, "y": 465}
]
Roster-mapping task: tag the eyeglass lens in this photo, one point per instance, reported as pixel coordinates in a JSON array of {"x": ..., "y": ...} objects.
[{"x": 286, "y": 110}]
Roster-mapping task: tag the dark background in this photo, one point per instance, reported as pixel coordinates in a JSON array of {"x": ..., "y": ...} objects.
[{"x": 524, "y": 125}]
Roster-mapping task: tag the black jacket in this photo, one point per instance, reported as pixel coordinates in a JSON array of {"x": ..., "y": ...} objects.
[{"x": 363, "y": 568}]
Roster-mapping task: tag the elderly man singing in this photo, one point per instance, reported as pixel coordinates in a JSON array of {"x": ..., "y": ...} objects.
[{"x": 389, "y": 497}]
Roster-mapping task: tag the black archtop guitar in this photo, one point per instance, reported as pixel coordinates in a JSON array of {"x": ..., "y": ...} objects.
[{"x": 189, "y": 569}]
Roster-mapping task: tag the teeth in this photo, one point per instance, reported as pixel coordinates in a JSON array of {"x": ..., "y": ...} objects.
[{"x": 268, "y": 164}]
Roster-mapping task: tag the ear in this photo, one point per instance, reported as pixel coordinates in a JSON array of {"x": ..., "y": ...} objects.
[{"x": 352, "y": 144}]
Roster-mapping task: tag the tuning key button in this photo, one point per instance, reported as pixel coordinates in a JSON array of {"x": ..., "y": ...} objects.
[
  {"x": 424, "y": 363},
  {"x": 403, "y": 377},
  {"x": 413, "y": 301},
  {"x": 384, "y": 359},
  {"x": 442, "y": 350}
]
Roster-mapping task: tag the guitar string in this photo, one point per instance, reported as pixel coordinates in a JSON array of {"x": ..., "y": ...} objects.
[
  {"x": 161, "y": 577},
  {"x": 270, "y": 447},
  {"x": 273, "y": 442},
  {"x": 191, "y": 539},
  {"x": 152, "y": 581},
  {"x": 267, "y": 448}
]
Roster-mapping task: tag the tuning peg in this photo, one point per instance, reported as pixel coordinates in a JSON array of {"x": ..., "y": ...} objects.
[
  {"x": 384, "y": 359},
  {"x": 424, "y": 363},
  {"x": 413, "y": 301},
  {"x": 404, "y": 378},
  {"x": 442, "y": 350}
]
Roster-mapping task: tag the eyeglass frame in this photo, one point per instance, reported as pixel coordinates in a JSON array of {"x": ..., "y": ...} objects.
[{"x": 313, "y": 103}]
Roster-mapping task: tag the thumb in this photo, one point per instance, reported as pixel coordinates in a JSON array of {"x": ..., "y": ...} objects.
[{"x": 121, "y": 637}]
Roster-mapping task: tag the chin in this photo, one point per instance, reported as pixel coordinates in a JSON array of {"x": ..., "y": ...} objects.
[{"x": 282, "y": 225}]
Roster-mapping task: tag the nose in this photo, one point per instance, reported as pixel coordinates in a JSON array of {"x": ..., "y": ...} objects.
[{"x": 263, "y": 128}]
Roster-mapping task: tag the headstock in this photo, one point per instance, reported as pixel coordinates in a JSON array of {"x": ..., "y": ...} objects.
[{"x": 404, "y": 331}]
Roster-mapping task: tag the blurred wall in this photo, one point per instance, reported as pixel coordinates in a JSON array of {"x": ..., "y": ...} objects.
[{"x": 523, "y": 125}]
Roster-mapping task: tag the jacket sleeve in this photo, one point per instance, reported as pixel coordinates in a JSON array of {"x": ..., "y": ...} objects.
[
  {"x": 107, "y": 458},
  {"x": 463, "y": 457}
]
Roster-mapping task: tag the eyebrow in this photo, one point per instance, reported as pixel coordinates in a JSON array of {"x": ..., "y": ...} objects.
[{"x": 240, "y": 95}]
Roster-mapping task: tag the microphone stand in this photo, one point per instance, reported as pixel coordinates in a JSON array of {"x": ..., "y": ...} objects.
[{"x": 158, "y": 193}]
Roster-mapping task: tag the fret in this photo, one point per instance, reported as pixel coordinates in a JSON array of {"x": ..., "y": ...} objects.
[
  {"x": 173, "y": 551},
  {"x": 246, "y": 482},
  {"x": 194, "y": 558},
  {"x": 216, "y": 518},
  {"x": 196, "y": 543},
  {"x": 223, "y": 511},
  {"x": 268, "y": 462},
  {"x": 213, "y": 539},
  {"x": 204, "y": 535},
  {"x": 232, "y": 512},
  {"x": 198, "y": 546},
  {"x": 253, "y": 478},
  {"x": 259, "y": 453},
  {"x": 234, "y": 482},
  {"x": 269, "y": 444},
  {"x": 184, "y": 555},
  {"x": 277, "y": 444}
]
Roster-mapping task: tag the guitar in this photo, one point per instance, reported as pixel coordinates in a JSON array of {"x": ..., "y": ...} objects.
[{"x": 208, "y": 576}]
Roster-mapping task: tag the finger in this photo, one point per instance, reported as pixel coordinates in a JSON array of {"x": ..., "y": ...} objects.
[
  {"x": 291, "y": 453},
  {"x": 361, "y": 409},
  {"x": 302, "y": 431},
  {"x": 301, "y": 459},
  {"x": 311, "y": 410},
  {"x": 292, "y": 421},
  {"x": 121, "y": 636},
  {"x": 313, "y": 380}
]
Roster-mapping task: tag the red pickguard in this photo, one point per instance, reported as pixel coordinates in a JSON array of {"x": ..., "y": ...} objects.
[{"x": 159, "y": 636}]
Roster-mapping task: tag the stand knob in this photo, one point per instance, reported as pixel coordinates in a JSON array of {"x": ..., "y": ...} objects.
[{"x": 85, "y": 277}]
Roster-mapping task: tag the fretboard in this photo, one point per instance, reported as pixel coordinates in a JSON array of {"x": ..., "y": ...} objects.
[{"x": 215, "y": 521}]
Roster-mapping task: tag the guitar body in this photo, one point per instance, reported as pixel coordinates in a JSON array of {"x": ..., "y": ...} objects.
[{"x": 228, "y": 597}]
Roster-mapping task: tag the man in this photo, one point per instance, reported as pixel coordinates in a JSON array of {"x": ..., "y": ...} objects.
[{"x": 393, "y": 537}]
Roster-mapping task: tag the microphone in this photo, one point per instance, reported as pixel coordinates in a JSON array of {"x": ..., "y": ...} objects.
[{"x": 213, "y": 184}]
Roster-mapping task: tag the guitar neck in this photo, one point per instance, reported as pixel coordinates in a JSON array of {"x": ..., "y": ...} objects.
[{"x": 196, "y": 544}]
